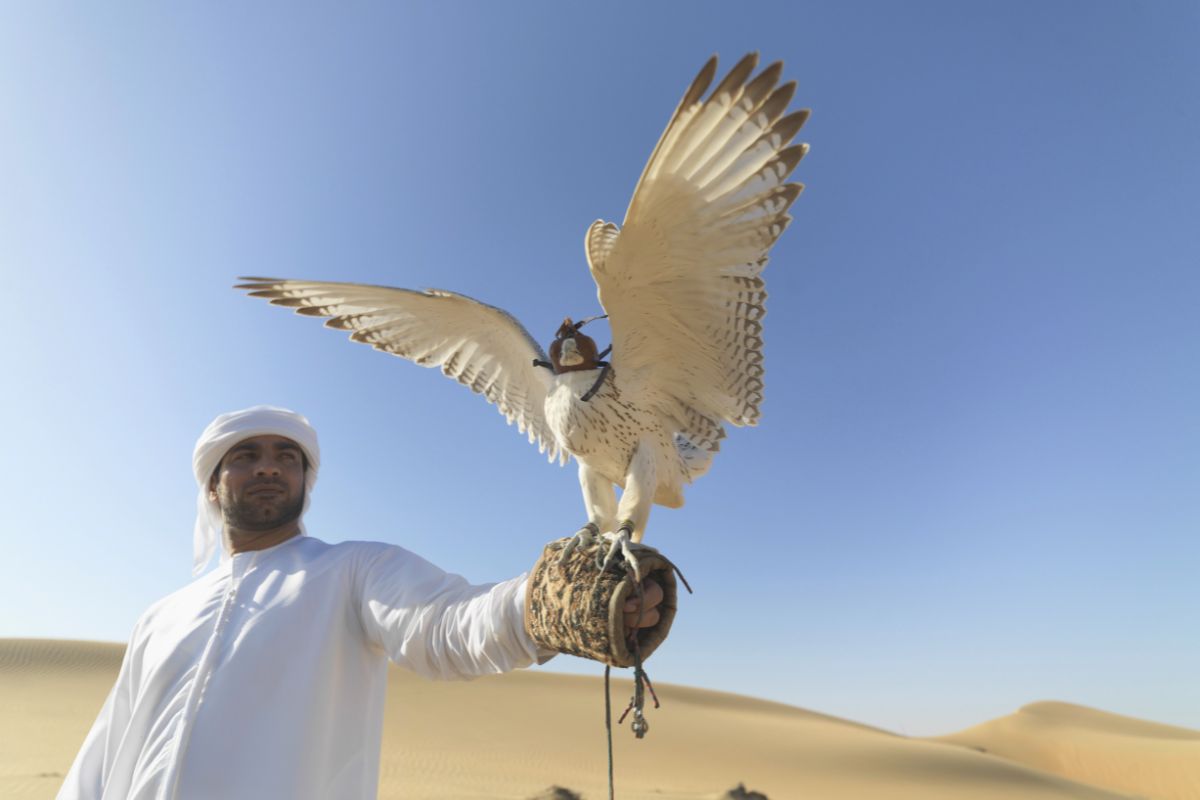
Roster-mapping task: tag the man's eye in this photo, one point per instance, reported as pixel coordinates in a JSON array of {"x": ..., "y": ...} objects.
[{"x": 289, "y": 456}]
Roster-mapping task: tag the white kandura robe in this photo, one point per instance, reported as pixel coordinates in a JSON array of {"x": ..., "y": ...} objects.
[{"x": 265, "y": 678}]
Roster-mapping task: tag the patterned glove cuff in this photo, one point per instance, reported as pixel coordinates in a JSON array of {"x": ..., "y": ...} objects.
[{"x": 571, "y": 607}]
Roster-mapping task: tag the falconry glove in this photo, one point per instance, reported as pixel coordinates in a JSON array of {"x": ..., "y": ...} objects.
[{"x": 574, "y": 606}]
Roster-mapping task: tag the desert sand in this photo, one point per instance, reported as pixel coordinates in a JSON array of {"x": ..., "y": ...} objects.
[
  {"x": 1144, "y": 759},
  {"x": 515, "y": 736}
]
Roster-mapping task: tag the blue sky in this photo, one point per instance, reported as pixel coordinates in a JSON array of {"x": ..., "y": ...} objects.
[{"x": 975, "y": 483}]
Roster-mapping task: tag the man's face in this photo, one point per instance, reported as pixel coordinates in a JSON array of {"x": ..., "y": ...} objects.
[{"x": 260, "y": 483}]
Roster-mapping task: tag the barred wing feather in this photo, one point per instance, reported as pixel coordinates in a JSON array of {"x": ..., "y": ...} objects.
[
  {"x": 681, "y": 280},
  {"x": 482, "y": 347}
]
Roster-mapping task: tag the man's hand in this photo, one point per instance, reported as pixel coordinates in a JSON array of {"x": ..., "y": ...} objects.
[{"x": 637, "y": 616}]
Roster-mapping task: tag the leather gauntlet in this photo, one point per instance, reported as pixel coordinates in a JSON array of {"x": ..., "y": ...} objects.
[{"x": 572, "y": 607}]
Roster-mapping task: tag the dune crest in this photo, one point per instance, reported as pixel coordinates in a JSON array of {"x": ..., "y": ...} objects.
[
  {"x": 1125, "y": 754},
  {"x": 512, "y": 736}
]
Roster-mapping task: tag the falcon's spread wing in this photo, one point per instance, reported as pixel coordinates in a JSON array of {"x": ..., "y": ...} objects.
[
  {"x": 480, "y": 346},
  {"x": 681, "y": 281}
]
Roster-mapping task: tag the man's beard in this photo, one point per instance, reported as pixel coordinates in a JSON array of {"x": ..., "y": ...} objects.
[{"x": 247, "y": 514}]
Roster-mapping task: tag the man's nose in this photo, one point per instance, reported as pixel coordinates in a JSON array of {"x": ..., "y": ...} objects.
[{"x": 266, "y": 467}]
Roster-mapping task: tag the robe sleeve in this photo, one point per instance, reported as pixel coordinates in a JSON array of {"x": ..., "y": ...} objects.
[
  {"x": 439, "y": 625},
  {"x": 88, "y": 776}
]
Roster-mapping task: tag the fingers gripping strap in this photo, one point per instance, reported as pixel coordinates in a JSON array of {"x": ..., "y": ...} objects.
[{"x": 574, "y": 608}]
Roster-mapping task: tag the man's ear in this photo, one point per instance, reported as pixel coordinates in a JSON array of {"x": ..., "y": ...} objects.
[{"x": 212, "y": 483}]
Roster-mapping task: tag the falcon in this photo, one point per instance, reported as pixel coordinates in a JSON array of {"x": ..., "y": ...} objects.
[{"x": 681, "y": 285}]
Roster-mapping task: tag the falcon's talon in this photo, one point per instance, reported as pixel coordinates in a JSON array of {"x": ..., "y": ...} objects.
[
  {"x": 622, "y": 544},
  {"x": 585, "y": 536}
]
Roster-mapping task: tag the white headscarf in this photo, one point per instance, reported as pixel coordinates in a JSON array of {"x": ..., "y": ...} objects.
[{"x": 222, "y": 434}]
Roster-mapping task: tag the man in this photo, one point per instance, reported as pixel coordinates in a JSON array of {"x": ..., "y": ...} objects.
[{"x": 265, "y": 677}]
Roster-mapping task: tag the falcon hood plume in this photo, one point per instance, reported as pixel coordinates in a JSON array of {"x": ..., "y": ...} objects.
[{"x": 682, "y": 286}]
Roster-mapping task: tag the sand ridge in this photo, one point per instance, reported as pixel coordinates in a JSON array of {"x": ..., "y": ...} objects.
[
  {"x": 515, "y": 736},
  {"x": 1147, "y": 759}
]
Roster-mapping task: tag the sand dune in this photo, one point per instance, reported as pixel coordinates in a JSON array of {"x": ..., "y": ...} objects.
[
  {"x": 515, "y": 736},
  {"x": 1130, "y": 755}
]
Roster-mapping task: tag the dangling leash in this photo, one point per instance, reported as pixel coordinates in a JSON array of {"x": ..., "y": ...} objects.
[
  {"x": 639, "y": 726},
  {"x": 641, "y": 685},
  {"x": 574, "y": 603}
]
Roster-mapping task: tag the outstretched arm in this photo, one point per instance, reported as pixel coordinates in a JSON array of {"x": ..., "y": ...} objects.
[{"x": 439, "y": 625}]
